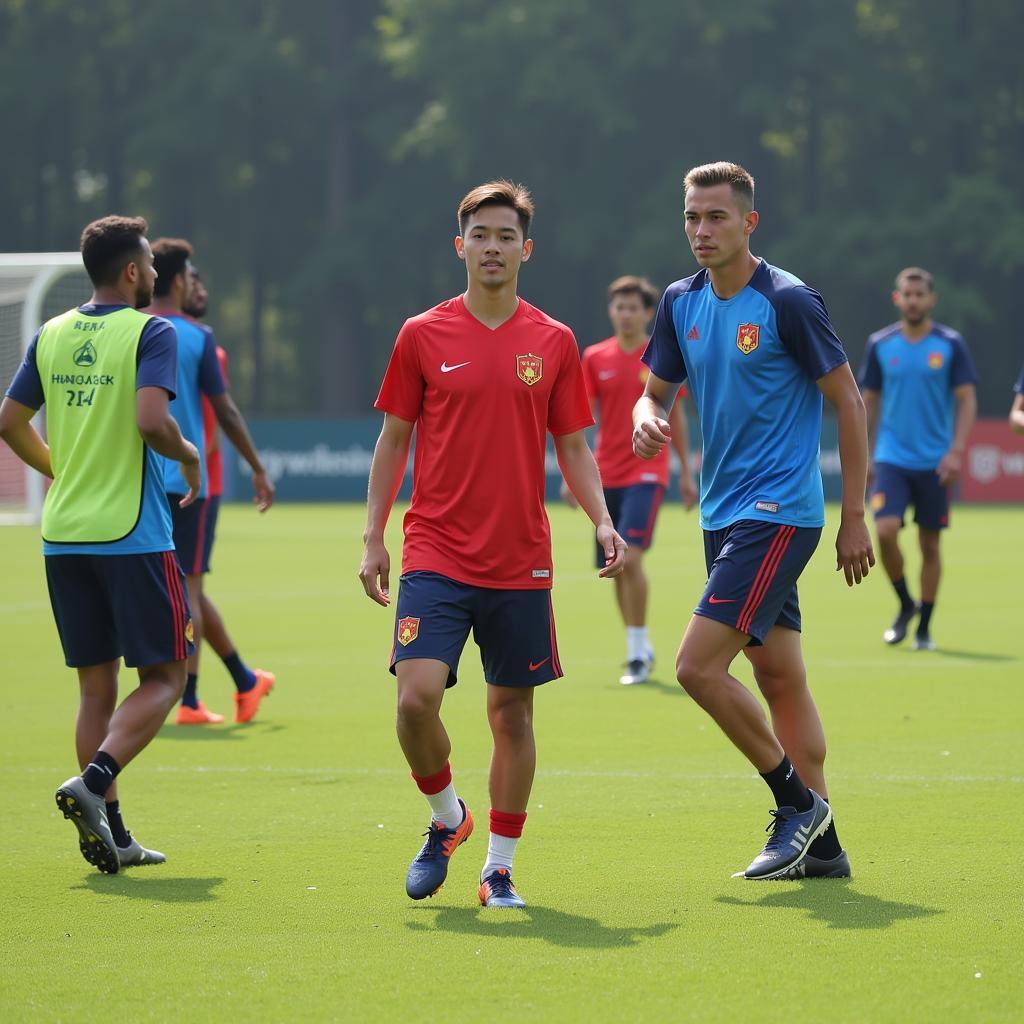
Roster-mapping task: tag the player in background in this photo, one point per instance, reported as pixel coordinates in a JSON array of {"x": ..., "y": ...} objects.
[
  {"x": 633, "y": 488},
  {"x": 106, "y": 373},
  {"x": 482, "y": 377},
  {"x": 251, "y": 685},
  {"x": 919, "y": 389},
  {"x": 758, "y": 350},
  {"x": 198, "y": 375},
  {"x": 1017, "y": 410}
]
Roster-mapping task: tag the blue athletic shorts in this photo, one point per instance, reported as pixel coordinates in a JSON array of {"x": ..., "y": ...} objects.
[
  {"x": 514, "y": 629},
  {"x": 193, "y": 533},
  {"x": 112, "y": 606},
  {"x": 634, "y": 510},
  {"x": 896, "y": 488},
  {"x": 752, "y": 572}
]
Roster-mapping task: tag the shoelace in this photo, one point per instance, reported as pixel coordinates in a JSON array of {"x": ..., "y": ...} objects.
[
  {"x": 436, "y": 835},
  {"x": 500, "y": 884},
  {"x": 775, "y": 827}
]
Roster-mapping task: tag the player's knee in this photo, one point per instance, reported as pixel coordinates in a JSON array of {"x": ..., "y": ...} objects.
[
  {"x": 634, "y": 565},
  {"x": 416, "y": 706},
  {"x": 930, "y": 548},
  {"x": 780, "y": 685},
  {"x": 888, "y": 530},
  {"x": 693, "y": 675},
  {"x": 512, "y": 720}
]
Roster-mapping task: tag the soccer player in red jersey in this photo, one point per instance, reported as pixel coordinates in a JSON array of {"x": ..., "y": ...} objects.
[
  {"x": 482, "y": 377},
  {"x": 633, "y": 488}
]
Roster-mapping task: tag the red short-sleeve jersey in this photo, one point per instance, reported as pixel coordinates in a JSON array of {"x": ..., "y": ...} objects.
[
  {"x": 215, "y": 458},
  {"x": 483, "y": 401},
  {"x": 615, "y": 380}
]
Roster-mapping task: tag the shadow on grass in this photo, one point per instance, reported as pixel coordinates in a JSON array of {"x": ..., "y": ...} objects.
[
  {"x": 552, "y": 926},
  {"x": 215, "y": 733},
  {"x": 945, "y": 652},
  {"x": 833, "y": 901},
  {"x": 139, "y": 884}
]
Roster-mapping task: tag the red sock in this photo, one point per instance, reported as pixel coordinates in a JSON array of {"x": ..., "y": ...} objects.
[
  {"x": 507, "y": 824},
  {"x": 431, "y": 784}
]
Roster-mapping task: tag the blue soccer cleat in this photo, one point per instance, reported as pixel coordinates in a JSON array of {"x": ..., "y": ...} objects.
[
  {"x": 792, "y": 833},
  {"x": 429, "y": 868},
  {"x": 497, "y": 890},
  {"x": 815, "y": 867}
]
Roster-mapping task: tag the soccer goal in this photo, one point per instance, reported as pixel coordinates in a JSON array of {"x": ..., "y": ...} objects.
[{"x": 34, "y": 286}]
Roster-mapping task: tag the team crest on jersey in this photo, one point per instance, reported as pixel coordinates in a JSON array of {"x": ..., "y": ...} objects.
[
  {"x": 408, "y": 630},
  {"x": 529, "y": 368},
  {"x": 746, "y": 337},
  {"x": 878, "y": 501},
  {"x": 85, "y": 355},
  {"x": 190, "y": 632},
  {"x": 644, "y": 374},
  {"x": 935, "y": 360}
]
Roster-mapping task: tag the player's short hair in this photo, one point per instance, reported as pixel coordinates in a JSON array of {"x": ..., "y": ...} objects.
[
  {"x": 722, "y": 172},
  {"x": 632, "y": 285},
  {"x": 108, "y": 244},
  {"x": 501, "y": 192},
  {"x": 170, "y": 257},
  {"x": 914, "y": 274}
]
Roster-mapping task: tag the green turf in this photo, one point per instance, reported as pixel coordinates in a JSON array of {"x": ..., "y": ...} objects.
[{"x": 287, "y": 840}]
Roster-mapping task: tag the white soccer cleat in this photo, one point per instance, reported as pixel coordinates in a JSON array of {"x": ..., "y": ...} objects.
[{"x": 637, "y": 671}]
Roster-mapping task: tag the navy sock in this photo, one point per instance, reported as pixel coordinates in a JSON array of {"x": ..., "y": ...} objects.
[
  {"x": 244, "y": 677},
  {"x": 906, "y": 601},
  {"x": 827, "y": 845},
  {"x": 100, "y": 772},
  {"x": 121, "y": 836},
  {"x": 190, "y": 698},
  {"x": 927, "y": 607},
  {"x": 787, "y": 787}
]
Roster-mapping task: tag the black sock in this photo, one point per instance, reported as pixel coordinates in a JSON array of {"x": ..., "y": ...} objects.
[
  {"x": 100, "y": 772},
  {"x": 244, "y": 677},
  {"x": 121, "y": 836},
  {"x": 906, "y": 601},
  {"x": 787, "y": 787},
  {"x": 927, "y": 607},
  {"x": 190, "y": 698},
  {"x": 826, "y": 846}
]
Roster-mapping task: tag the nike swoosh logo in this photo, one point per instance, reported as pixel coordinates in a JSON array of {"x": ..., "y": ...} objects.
[
  {"x": 534, "y": 665},
  {"x": 607, "y": 375},
  {"x": 721, "y": 600},
  {"x": 445, "y": 368}
]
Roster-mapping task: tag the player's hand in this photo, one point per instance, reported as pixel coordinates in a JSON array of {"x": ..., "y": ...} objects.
[
  {"x": 650, "y": 436},
  {"x": 374, "y": 572},
  {"x": 614, "y": 551},
  {"x": 567, "y": 496},
  {"x": 191, "y": 470},
  {"x": 854, "y": 553},
  {"x": 949, "y": 469},
  {"x": 688, "y": 490},
  {"x": 263, "y": 491}
]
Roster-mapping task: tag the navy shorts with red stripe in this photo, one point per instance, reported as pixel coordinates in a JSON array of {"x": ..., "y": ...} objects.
[
  {"x": 193, "y": 533},
  {"x": 113, "y": 606},
  {"x": 634, "y": 511},
  {"x": 752, "y": 572},
  {"x": 514, "y": 629}
]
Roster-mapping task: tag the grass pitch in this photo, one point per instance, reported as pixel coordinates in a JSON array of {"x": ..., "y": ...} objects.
[{"x": 288, "y": 839}]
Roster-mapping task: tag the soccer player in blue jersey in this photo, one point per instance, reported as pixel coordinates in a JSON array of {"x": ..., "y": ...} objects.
[
  {"x": 106, "y": 374},
  {"x": 199, "y": 374},
  {"x": 916, "y": 372},
  {"x": 757, "y": 350},
  {"x": 1017, "y": 409}
]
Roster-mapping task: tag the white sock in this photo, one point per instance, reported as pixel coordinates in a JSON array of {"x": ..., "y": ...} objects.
[
  {"x": 500, "y": 851},
  {"x": 445, "y": 806},
  {"x": 636, "y": 643}
]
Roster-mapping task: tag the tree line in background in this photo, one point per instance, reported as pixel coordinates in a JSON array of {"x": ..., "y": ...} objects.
[{"x": 315, "y": 151}]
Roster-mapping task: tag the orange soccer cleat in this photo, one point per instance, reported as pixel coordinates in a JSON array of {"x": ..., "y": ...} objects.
[
  {"x": 247, "y": 704},
  {"x": 197, "y": 716}
]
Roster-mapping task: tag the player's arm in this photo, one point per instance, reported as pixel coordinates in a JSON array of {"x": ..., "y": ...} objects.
[
  {"x": 233, "y": 424},
  {"x": 854, "y": 553},
  {"x": 681, "y": 445},
  {"x": 966, "y": 399},
  {"x": 23, "y": 438},
  {"x": 565, "y": 491},
  {"x": 390, "y": 456},
  {"x": 160, "y": 430},
  {"x": 872, "y": 411},
  {"x": 1017, "y": 414},
  {"x": 651, "y": 427},
  {"x": 576, "y": 461}
]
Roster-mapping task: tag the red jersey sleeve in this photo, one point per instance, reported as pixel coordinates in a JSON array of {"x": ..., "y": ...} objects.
[
  {"x": 569, "y": 410},
  {"x": 589, "y": 377},
  {"x": 401, "y": 392}
]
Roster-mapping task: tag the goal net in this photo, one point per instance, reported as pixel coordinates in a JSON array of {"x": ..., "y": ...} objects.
[{"x": 33, "y": 288}]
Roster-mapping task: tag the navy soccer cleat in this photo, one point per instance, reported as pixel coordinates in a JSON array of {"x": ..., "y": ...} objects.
[
  {"x": 815, "y": 867},
  {"x": 429, "y": 868},
  {"x": 497, "y": 890},
  {"x": 897, "y": 632},
  {"x": 923, "y": 642},
  {"x": 792, "y": 832}
]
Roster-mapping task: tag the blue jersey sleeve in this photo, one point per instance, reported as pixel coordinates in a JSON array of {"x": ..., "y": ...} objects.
[
  {"x": 807, "y": 333},
  {"x": 962, "y": 371},
  {"x": 870, "y": 378},
  {"x": 26, "y": 387},
  {"x": 663, "y": 354},
  {"x": 157, "y": 363},
  {"x": 211, "y": 380}
]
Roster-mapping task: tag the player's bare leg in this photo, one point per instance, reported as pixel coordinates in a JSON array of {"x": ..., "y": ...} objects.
[
  {"x": 214, "y": 631},
  {"x": 931, "y": 573},
  {"x": 888, "y": 528},
  {"x": 140, "y": 715},
  {"x": 631, "y": 593},
  {"x": 97, "y": 686},
  {"x": 192, "y": 710}
]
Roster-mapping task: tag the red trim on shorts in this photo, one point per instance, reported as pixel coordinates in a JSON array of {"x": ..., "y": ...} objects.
[
  {"x": 765, "y": 575},
  {"x": 555, "y": 663},
  {"x": 176, "y": 610},
  {"x": 432, "y": 784},
  {"x": 655, "y": 505},
  {"x": 508, "y": 824},
  {"x": 197, "y": 564}
]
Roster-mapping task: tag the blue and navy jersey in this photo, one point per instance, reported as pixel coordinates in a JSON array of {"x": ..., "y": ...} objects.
[
  {"x": 198, "y": 374},
  {"x": 155, "y": 368},
  {"x": 917, "y": 380},
  {"x": 752, "y": 362}
]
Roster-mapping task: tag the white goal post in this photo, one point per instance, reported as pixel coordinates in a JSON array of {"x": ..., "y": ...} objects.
[{"x": 34, "y": 286}]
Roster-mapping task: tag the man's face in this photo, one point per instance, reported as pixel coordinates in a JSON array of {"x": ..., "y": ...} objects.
[
  {"x": 718, "y": 227},
  {"x": 493, "y": 246},
  {"x": 145, "y": 276},
  {"x": 628, "y": 314},
  {"x": 197, "y": 298},
  {"x": 914, "y": 300}
]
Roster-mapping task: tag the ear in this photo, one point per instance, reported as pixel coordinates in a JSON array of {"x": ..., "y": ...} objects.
[
  {"x": 527, "y": 249},
  {"x": 751, "y": 221},
  {"x": 131, "y": 271},
  {"x": 895, "y": 298},
  {"x": 460, "y": 248}
]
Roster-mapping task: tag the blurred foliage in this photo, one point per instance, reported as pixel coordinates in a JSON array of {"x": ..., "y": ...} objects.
[{"x": 314, "y": 152}]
